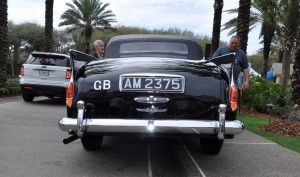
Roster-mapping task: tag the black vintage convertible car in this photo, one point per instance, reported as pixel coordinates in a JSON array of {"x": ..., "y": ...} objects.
[{"x": 151, "y": 85}]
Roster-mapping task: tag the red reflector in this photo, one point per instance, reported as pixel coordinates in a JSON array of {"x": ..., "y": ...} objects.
[
  {"x": 28, "y": 88},
  {"x": 234, "y": 97},
  {"x": 233, "y": 94},
  {"x": 47, "y": 55},
  {"x": 69, "y": 94},
  {"x": 234, "y": 106}
]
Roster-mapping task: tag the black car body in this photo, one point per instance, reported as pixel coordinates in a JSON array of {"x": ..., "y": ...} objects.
[{"x": 153, "y": 85}]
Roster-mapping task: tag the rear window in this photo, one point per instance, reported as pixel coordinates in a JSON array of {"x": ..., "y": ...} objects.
[
  {"x": 154, "y": 48},
  {"x": 50, "y": 61}
]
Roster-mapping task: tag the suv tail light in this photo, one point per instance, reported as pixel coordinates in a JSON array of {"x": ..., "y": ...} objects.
[
  {"x": 233, "y": 96},
  {"x": 22, "y": 71},
  {"x": 69, "y": 94},
  {"x": 68, "y": 73}
]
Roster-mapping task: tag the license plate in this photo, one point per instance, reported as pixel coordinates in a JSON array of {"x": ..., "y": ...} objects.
[
  {"x": 44, "y": 72},
  {"x": 152, "y": 83}
]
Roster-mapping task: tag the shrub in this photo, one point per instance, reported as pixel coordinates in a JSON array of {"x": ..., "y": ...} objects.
[
  {"x": 261, "y": 92},
  {"x": 12, "y": 88},
  {"x": 13, "y": 82}
]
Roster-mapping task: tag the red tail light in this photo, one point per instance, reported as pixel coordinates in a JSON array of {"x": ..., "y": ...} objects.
[
  {"x": 69, "y": 94},
  {"x": 22, "y": 71},
  {"x": 233, "y": 96},
  {"x": 68, "y": 74},
  {"x": 47, "y": 55}
]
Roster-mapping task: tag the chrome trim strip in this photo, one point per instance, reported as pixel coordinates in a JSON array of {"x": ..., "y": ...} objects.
[
  {"x": 151, "y": 110},
  {"x": 151, "y": 99},
  {"x": 160, "y": 126}
]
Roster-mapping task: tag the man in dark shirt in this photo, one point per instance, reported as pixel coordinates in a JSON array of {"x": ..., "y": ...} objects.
[
  {"x": 99, "y": 49},
  {"x": 241, "y": 60}
]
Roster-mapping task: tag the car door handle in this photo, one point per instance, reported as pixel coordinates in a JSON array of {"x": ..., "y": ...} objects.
[{"x": 44, "y": 66}]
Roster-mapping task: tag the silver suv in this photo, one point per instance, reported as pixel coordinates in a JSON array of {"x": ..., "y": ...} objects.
[{"x": 45, "y": 74}]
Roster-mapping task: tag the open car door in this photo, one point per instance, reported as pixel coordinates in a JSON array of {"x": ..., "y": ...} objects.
[
  {"x": 230, "y": 63},
  {"x": 78, "y": 59},
  {"x": 224, "y": 59}
]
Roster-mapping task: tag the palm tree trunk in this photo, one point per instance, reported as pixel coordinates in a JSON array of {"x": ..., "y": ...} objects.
[
  {"x": 4, "y": 42},
  {"x": 48, "y": 25},
  {"x": 87, "y": 46},
  {"x": 295, "y": 82},
  {"x": 290, "y": 19},
  {"x": 286, "y": 62},
  {"x": 267, "y": 48},
  {"x": 218, "y": 6},
  {"x": 87, "y": 36},
  {"x": 243, "y": 23}
]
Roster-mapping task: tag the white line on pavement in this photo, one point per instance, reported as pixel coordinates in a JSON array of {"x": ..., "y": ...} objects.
[
  {"x": 149, "y": 161},
  {"x": 193, "y": 160},
  {"x": 250, "y": 143}
]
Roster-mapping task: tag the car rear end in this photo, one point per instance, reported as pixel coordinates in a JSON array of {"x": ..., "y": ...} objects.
[
  {"x": 150, "y": 85},
  {"x": 161, "y": 96},
  {"x": 45, "y": 74}
]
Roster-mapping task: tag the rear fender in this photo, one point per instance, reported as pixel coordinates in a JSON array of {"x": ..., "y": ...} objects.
[{"x": 234, "y": 71}]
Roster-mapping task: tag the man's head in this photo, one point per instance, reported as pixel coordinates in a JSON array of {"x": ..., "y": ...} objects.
[
  {"x": 234, "y": 43},
  {"x": 99, "y": 46}
]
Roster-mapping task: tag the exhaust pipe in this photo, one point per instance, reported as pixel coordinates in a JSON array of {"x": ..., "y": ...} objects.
[{"x": 71, "y": 138}]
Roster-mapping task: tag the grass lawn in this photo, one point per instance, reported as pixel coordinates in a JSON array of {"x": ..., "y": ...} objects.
[{"x": 252, "y": 123}]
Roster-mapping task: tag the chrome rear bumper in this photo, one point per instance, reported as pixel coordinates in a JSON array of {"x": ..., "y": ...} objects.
[
  {"x": 159, "y": 126},
  {"x": 219, "y": 128}
]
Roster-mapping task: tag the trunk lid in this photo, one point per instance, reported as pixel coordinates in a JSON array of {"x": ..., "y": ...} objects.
[{"x": 201, "y": 94}]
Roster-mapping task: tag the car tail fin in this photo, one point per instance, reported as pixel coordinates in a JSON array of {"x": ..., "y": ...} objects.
[{"x": 230, "y": 59}]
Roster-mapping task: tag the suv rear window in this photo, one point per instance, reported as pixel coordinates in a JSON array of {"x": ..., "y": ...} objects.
[{"x": 51, "y": 60}]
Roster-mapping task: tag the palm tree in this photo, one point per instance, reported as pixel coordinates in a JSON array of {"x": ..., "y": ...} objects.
[
  {"x": 87, "y": 15},
  {"x": 218, "y": 6},
  {"x": 266, "y": 14},
  {"x": 4, "y": 41},
  {"x": 243, "y": 23},
  {"x": 48, "y": 25},
  {"x": 295, "y": 82},
  {"x": 290, "y": 21},
  {"x": 269, "y": 23},
  {"x": 232, "y": 23}
]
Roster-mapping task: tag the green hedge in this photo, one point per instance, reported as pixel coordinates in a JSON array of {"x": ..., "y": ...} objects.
[
  {"x": 261, "y": 92},
  {"x": 12, "y": 88}
]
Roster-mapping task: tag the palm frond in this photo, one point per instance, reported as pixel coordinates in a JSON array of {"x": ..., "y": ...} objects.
[{"x": 87, "y": 15}]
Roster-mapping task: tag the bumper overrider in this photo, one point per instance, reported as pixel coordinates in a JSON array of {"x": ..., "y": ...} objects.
[{"x": 77, "y": 127}]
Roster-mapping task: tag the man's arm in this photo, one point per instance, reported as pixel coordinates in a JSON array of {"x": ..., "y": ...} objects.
[{"x": 245, "y": 84}]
